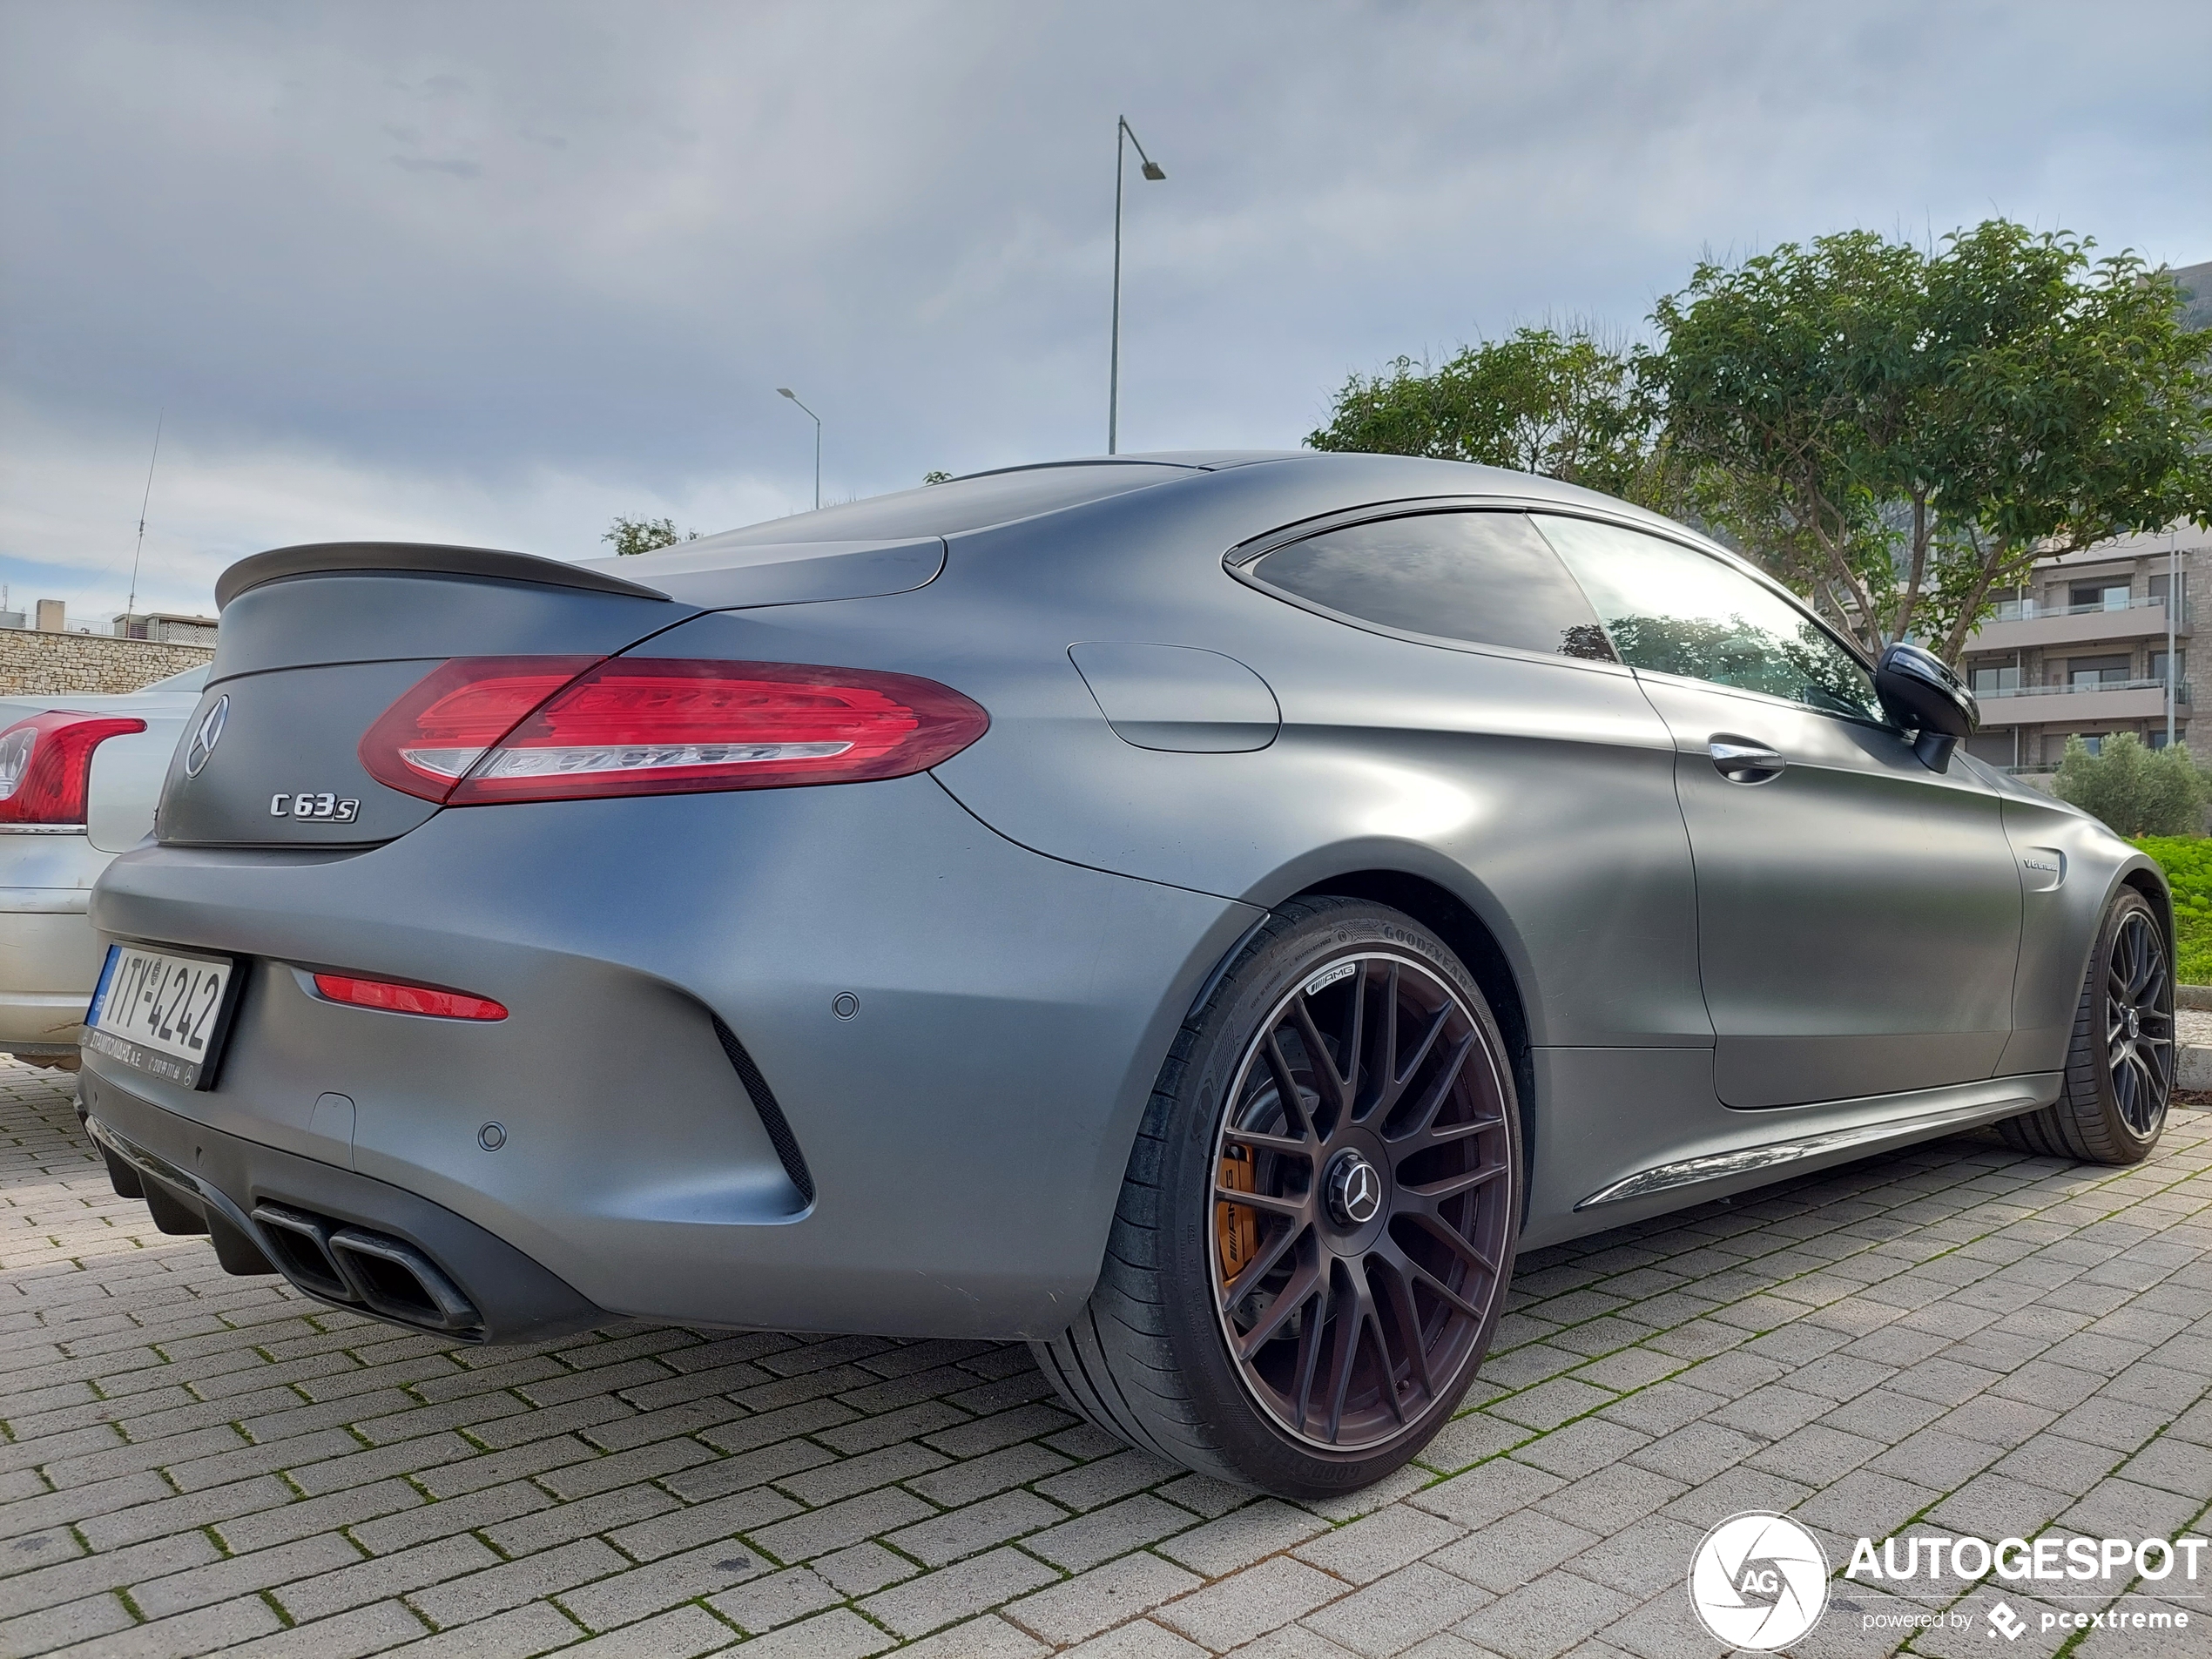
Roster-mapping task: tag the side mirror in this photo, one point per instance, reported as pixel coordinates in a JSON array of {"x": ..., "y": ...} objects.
[{"x": 1920, "y": 692}]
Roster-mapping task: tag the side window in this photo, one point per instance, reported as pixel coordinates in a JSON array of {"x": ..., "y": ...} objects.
[
  {"x": 1486, "y": 578},
  {"x": 1678, "y": 611}
]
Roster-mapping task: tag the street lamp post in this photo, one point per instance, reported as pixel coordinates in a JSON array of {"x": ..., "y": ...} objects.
[
  {"x": 1151, "y": 170},
  {"x": 786, "y": 391}
]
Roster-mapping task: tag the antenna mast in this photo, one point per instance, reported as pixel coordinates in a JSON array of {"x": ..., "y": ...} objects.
[{"x": 130, "y": 604}]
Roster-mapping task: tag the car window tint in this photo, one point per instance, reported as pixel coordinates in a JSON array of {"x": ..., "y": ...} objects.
[
  {"x": 1679, "y": 611},
  {"x": 1486, "y": 578}
]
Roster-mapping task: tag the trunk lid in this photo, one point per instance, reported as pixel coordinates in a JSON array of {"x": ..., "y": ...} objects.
[{"x": 316, "y": 642}]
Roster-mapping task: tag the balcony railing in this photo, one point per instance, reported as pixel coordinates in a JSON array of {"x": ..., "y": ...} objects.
[
  {"x": 2181, "y": 689},
  {"x": 2029, "y": 609}
]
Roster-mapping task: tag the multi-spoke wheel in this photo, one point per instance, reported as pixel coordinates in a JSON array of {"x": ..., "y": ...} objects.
[
  {"x": 2119, "y": 1067},
  {"x": 1317, "y": 1226}
]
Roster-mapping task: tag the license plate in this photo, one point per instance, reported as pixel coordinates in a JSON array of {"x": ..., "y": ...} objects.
[{"x": 164, "y": 1012}]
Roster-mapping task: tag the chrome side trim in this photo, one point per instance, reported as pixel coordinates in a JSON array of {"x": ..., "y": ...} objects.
[
  {"x": 1715, "y": 1166},
  {"x": 42, "y": 829}
]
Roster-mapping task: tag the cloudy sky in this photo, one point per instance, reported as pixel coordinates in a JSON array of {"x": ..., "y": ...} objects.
[{"x": 494, "y": 271}]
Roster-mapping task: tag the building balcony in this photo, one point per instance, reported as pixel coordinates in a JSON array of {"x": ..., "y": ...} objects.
[
  {"x": 2113, "y": 702},
  {"x": 2022, "y": 624}
]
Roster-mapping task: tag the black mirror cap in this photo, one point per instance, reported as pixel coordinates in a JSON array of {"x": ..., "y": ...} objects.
[{"x": 1922, "y": 694}]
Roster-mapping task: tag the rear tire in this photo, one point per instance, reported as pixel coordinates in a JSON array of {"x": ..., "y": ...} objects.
[
  {"x": 1348, "y": 1075},
  {"x": 2120, "y": 1065}
]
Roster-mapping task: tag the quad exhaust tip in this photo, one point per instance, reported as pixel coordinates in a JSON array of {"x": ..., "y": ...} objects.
[
  {"x": 331, "y": 1260},
  {"x": 344, "y": 1263}
]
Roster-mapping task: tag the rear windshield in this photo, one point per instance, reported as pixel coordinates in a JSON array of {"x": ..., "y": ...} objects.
[{"x": 963, "y": 505}]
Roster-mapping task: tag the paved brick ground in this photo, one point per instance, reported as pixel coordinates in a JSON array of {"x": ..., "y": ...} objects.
[{"x": 1955, "y": 1339}]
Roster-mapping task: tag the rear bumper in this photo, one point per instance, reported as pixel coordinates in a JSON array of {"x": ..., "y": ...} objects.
[
  {"x": 964, "y": 1132},
  {"x": 49, "y": 958},
  {"x": 230, "y": 1186}
]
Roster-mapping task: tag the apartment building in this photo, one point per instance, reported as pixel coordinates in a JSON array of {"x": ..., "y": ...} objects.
[{"x": 2082, "y": 650}]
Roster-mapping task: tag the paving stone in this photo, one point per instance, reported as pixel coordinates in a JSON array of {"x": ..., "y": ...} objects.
[
  {"x": 479, "y": 1594},
  {"x": 989, "y": 1637},
  {"x": 839, "y": 1524},
  {"x": 836, "y": 1634},
  {"x": 1251, "y": 1603},
  {"x": 681, "y": 1633},
  {"x": 960, "y": 1591},
  {"x": 1389, "y": 1616},
  {"x": 980, "y": 1477},
  {"x": 703, "y": 1523},
  {"x": 1100, "y": 1598},
  {"x": 372, "y": 1581},
  {"x": 776, "y": 1600},
  {"x": 1092, "y": 1484},
  {"x": 349, "y": 1636},
  {"x": 630, "y": 1596},
  {"x": 519, "y": 1632},
  {"x": 1518, "y": 1550},
  {"x": 864, "y": 1569},
  {"x": 1105, "y": 1534},
  {"x": 1242, "y": 1537},
  {"x": 1543, "y": 1618},
  {"x": 978, "y": 1527},
  {"x": 1379, "y": 1544},
  {"x": 1487, "y": 1492}
]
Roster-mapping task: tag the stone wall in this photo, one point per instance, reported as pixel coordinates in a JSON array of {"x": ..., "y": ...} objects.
[{"x": 36, "y": 664}]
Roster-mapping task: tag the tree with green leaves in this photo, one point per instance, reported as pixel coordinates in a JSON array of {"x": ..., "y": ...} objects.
[
  {"x": 1565, "y": 405},
  {"x": 2137, "y": 791},
  {"x": 1899, "y": 435},
  {"x": 646, "y": 535}
]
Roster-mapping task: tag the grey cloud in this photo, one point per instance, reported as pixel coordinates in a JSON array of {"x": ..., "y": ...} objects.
[{"x": 485, "y": 242}]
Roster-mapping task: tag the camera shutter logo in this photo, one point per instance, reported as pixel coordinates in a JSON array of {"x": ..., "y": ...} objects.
[
  {"x": 210, "y": 734},
  {"x": 1759, "y": 1581}
]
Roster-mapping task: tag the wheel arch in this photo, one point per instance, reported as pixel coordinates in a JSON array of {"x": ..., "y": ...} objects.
[{"x": 1447, "y": 915}]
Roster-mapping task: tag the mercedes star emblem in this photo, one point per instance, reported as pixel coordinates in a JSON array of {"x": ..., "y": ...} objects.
[
  {"x": 1355, "y": 1190},
  {"x": 210, "y": 734}
]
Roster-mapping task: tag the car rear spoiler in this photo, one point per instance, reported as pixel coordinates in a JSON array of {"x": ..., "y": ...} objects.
[{"x": 322, "y": 558}]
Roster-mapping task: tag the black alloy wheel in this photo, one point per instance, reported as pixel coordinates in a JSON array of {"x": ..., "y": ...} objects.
[
  {"x": 2119, "y": 1063},
  {"x": 1314, "y": 1237},
  {"x": 2139, "y": 1022},
  {"x": 1363, "y": 1200}
]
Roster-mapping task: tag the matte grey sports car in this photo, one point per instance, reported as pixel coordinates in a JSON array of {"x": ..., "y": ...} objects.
[{"x": 1200, "y": 912}]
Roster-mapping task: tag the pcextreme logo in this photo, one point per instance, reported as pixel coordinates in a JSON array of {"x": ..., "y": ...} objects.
[{"x": 1758, "y": 1582}]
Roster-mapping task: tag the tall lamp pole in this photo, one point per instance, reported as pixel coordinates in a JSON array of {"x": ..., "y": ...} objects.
[
  {"x": 1151, "y": 170},
  {"x": 786, "y": 391}
]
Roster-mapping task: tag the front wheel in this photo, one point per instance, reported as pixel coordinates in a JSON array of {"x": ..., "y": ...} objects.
[
  {"x": 2120, "y": 1065},
  {"x": 1317, "y": 1224}
]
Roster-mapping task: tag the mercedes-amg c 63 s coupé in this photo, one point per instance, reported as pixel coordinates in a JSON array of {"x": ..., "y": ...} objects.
[{"x": 1202, "y": 914}]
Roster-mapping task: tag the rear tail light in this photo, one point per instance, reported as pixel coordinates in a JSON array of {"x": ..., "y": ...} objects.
[
  {"x": 481, "y": 730},
  {"x": 397, "y": 998},
  {"x": 46, "y": 763}
]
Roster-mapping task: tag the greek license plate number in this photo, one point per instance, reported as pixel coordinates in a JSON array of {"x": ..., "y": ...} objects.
[{"x": 163, "y": 1011}]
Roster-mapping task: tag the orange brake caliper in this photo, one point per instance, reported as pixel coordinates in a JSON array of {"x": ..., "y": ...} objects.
[{"x": 1235, "y": 1226}]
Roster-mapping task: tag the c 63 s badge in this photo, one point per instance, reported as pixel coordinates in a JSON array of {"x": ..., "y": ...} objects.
[{"x": 325, "y": 809}]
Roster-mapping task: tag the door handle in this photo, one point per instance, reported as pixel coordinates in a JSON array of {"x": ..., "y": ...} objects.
[{"x": 1744, "y": 762}]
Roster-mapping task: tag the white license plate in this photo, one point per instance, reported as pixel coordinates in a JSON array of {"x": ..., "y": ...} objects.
[{"x": 163, "y": 1011}]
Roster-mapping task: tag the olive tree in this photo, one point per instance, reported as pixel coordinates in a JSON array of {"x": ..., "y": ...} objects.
[
  {"x": 1565, "y": 405},
  {"x": 646, "y": 535},
  {"x": 1900, "y": 434},
  {"x": 2137, "y": 791}
]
